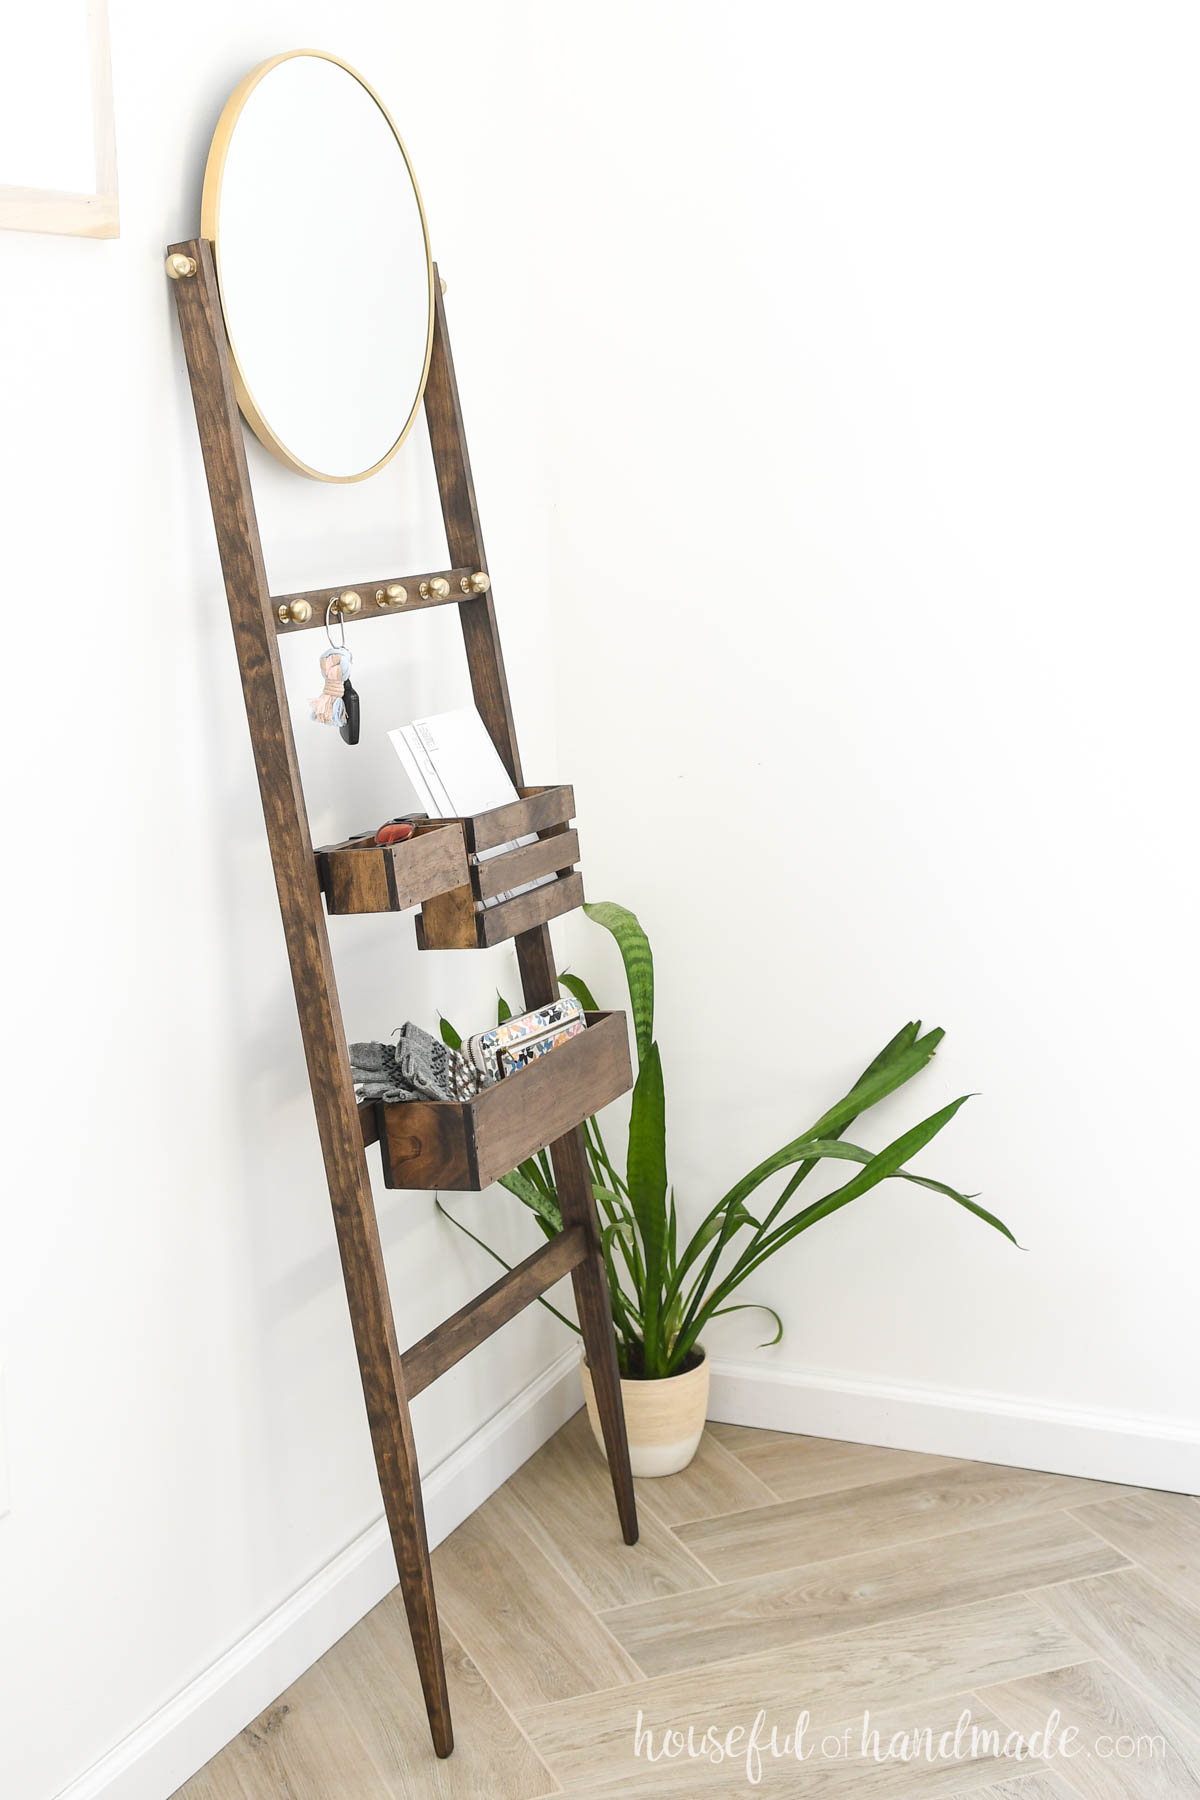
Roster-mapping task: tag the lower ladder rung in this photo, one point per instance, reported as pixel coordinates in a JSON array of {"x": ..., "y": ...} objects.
[{"x": 448, "y": 1343}]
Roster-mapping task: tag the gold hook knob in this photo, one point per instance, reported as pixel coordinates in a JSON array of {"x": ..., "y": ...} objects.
[
  {"x": 349, "y": 602},
  {"x": 298, "y": 613},
  {"x": 437, "y": 589},
  {"x": 478, "y": 583},
  {"x": 179, "y": 265},
  {"x": 394, "y": 594}
]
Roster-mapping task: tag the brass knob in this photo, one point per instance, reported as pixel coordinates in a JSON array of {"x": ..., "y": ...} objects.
[
  {"x": 394, "y": 594},
  {"x": 179, "y": 265},
  {"x": 298, "y": 613},
  {"x": 437, "y": 589},
  {"x": 478, "y": 583},
  {"x": 349, "y": 602}
]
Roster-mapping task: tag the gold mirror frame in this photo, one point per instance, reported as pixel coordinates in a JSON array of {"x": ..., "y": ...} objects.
[{"x": 210, "y": 210}]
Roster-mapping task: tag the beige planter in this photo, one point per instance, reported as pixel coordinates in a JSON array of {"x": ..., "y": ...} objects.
[{"x": 664, "y": 1419}]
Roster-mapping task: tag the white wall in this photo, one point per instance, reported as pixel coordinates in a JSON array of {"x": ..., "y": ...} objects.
[
  {"x": 877, "y": 482},
  {"x": 187, "y": 1441}
]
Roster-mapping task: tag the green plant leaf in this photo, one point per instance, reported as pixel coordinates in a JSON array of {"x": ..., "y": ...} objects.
[
  {"x": 600, "y": 1153},
  {"x": 897, "y": 1062},
  {"x": 903, "y": 1040},
  {"x": 754, "y": 1306},
  {"x": 615, "y": 1210},
  {"x": 614, "y": 1204},
  {"x": 672, "y": 1238},
  {"x": 902, "y": 1057},
  {"x": 725, "y": 1215},
  {"x": 639, "y": 966},
  {"x": 730, "y": 1220},
  {"x": 449, "y": 1035},
  {"x": 580, "y": 989},
  {"x": 533, "y": 1171},
  {"x": 504, "y": 1011},
  {"x": 886, "y": 1162},
  {"x": 544, "y": 1205},
  {"x": 648, "y": 1193},
  {"x": 853, "y": 1153}
]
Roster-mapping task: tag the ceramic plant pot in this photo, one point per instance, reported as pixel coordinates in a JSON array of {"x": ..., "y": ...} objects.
[{"x": 664, "y": 1419}]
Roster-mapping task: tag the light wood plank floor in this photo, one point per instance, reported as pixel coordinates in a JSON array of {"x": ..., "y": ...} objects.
[{"x": 777, "y": 1576}]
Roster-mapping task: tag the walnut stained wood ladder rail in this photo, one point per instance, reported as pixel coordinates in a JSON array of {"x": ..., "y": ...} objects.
[{"x": 423, "y": 1144}]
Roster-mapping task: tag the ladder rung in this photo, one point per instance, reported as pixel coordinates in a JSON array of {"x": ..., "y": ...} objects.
[
  {"x": 319, "y": 598},
  {"x": 448, "y": 1343}
]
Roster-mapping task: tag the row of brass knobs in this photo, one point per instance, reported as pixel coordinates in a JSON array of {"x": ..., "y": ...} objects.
[{"x": 299, "y": 612}]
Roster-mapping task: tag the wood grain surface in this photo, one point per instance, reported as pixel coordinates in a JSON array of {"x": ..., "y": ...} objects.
[{"x": 1005, "y": 1621}]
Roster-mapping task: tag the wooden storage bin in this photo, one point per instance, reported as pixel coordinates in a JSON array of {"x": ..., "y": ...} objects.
[
  {"x": 362, "y": 876},
  {"x": 459, "y": 920},
  {"x": 468, "y": 1144}
]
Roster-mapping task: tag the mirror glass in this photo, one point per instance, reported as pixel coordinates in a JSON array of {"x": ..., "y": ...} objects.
[{"x": 323, "y": 263}]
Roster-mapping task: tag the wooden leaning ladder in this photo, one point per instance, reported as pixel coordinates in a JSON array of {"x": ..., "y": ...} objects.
[{"x": 389, "y": 1378}]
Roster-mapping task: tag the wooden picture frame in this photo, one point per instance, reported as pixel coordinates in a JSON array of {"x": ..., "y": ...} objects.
[{"x": 94, "y": 215}]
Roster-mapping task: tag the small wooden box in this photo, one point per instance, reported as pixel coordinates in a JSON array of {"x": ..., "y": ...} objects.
[
  {"x": 459, "y": 920},
  {"x": 362, "y": 876},
  {"x": 464, "y": 1145}
]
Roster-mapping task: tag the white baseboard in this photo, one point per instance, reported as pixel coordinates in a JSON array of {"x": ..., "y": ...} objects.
[
  {"x": 180, "y": 1738},
  {"x": 1142, "y": 1452}
]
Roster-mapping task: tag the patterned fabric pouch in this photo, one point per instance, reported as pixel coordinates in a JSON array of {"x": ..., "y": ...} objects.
[
  {"x": 494, "y": 1052},
  {"x": 432, "y": 1069}
]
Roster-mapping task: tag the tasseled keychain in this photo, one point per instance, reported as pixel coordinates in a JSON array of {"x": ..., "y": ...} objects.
[{"x": 337, "y": 703}]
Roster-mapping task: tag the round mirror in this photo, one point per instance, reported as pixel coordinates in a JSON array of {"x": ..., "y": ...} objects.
[{"x": 323, "y": 262}]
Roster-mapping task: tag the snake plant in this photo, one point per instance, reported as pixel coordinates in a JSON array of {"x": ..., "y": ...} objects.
[{"x": 664, "y": 1292}]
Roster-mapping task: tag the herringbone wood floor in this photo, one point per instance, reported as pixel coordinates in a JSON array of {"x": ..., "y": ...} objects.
[{"x": 778, "y": 1574}]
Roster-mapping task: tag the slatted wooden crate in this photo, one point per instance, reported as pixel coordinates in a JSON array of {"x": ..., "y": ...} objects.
[
  {"x": 462, "y": 920},
  {"x": 467, "y": 1144},
  {"x": 361, "y": 876}
]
